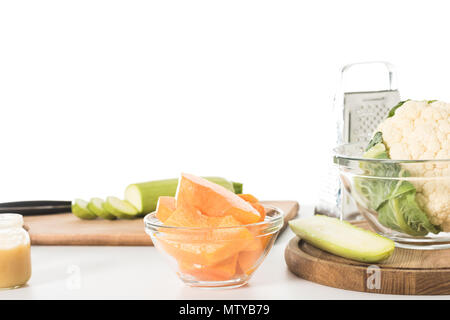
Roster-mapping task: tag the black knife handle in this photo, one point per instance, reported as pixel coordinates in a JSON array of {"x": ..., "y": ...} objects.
[{"x": 37, "y": 207}]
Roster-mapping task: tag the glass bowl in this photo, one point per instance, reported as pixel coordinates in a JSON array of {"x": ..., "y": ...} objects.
[
  {"x": 215, "y": 257},
  {"x": 405, "y": 200}
]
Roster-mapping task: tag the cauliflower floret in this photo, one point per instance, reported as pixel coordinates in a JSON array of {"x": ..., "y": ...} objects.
[{"x": 420, "y": 130}]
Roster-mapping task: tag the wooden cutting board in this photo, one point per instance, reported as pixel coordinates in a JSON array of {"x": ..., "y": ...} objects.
[
  {"x": 409, "y": 272},
  {"x": 66, "y": 229}
]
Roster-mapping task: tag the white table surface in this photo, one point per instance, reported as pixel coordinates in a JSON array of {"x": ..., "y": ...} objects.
[{"x": 80, "y": 272}]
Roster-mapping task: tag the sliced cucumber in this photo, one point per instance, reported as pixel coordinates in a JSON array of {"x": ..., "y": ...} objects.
[
  {"x": 120, "y": 208},
  {"x": 80, "y": 209},
  {"x": 96, "y": 207},
  {"x": 343, "y": 239}
]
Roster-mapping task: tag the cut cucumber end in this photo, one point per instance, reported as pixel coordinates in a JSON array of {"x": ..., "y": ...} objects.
[
  {"x": 343, "y": 239},
  {"x": 80, "y": 209},
  {"x": 120, "y": 208},
  {"x": 95, "y": 205},
  {"x": 133, "y": 195}
]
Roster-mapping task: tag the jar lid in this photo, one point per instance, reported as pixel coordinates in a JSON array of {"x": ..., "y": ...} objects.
[{"x": 11, "y": 220}]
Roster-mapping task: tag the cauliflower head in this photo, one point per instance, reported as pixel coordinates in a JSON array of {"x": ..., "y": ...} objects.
[{"x": 420, "y": 130}]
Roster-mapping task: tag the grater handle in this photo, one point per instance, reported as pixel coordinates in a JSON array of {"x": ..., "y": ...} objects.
[{"x": 390, "y": 70}]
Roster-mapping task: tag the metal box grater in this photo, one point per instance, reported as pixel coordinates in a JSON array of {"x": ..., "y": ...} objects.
[{"x": 358, "y": 114}]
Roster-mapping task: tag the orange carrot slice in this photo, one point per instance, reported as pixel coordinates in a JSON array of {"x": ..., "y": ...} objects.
[
  {"x": 214, "y": 200},
  {"x": 165, "y": 207}
]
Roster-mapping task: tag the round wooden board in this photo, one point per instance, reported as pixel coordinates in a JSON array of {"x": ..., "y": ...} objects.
[{"x": 409, "y": 272}]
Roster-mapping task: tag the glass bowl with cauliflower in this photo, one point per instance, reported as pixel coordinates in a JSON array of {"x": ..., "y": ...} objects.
[{"x": 400, "y": 180}]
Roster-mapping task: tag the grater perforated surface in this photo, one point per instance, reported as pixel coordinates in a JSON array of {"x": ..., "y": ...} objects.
[{"x": 363, "y": 111}]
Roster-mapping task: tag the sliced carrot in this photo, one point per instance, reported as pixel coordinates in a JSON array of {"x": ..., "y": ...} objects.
[
  {"x": 221, "y": 271},
  {"x": 261, "y": 210},
  {"x": 165, "y": 207},
  {"x": 214, "y": 200},
  {"x": 189, "y": 217},
  {"x": 248, "y": 197},
  {"x": 248, "y": 258},
  {"x": 203, "y": 246}
]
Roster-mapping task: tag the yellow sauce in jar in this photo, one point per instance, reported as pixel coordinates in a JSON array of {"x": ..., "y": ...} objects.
[{"x": 15, "y": 253}]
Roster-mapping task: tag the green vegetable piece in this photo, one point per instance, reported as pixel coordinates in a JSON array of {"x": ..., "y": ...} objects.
[
  {"x": 122, "y": 209},
  {"x": 144, "y": 196},
  {"x": 379, "y": 187},
  {"x": 403, "y": 214},
  {"x": 392, "y": 111},
  {"x": 96, "y": 207},
  {"x": 343, "y": 239},
  {"x": 377, "y": 139},
  {"x": 394, "y": 199},
  {"x": 80, "y": 209},
  {"x": 237, "y": 187}
]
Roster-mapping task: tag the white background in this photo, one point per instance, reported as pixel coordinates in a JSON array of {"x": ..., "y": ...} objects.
[{"x": 95, "y": 95}]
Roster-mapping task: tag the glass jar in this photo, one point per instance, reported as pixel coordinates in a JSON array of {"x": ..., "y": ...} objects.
[{"x": 15, "y": 253}]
